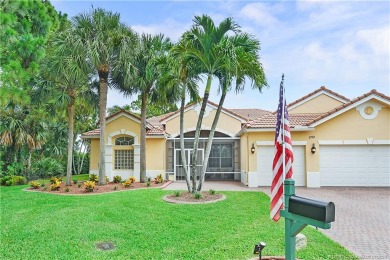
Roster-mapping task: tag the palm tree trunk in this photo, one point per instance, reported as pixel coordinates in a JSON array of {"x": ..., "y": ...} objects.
[
  {"x": 210, "y": 141},
  {"x": 197, "y": 132},
  {"x": 103, "y": 88},
  {"x": 70, "y": 138},
  {"x": 183, "y": 154},
  {"x": 143, "y": 138}
]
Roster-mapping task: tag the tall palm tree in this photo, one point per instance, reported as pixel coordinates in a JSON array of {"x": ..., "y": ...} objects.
[
  {"x": 204, "y": 44},
  {"x": 180, "y": 77},
  {"x": 242, "y": 63},
  {"x": 138, "y": 73},
  {"x": 101, "y": 33},
  {"x": 67, "y": 80}
]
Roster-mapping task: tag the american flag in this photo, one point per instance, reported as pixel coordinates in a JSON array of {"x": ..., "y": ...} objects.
[{"x": 282, "y": 165}]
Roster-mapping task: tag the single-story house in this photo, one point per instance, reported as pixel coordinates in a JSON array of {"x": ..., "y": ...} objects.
[{"x": 336, "y": 142}]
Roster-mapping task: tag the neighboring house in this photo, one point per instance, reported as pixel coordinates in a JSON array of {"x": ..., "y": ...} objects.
[{"x": 351, "y": 139}]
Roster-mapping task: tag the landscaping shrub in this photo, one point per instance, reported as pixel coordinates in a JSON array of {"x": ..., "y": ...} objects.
[
  {"x": 117, "y": 179},
  {"x": 159, "y": 179},
  {"x": 197, "y": 195},
  {"x": 47, "y": 167},
  {"x": 54, "y": 180},
  {"x": 35, "y": 184},
  {"x": 79, "y": 185},
  {"x": 89, "y": 186},
  {"x": 211, "y": 192},
  {"x": 115, "y": 187},
  {"x": 132, "y": 179},
  {"x": 177, "y": 193},
  {"x": 127, "y": 183},
  {"x": 13, "y": 180},
  {"x": 66, "y": 189},
  {"x": 148, "y": 184},
  {"x": 6, "y": 181},
  {"x": 93, "y": 177},
  {"x": 55, "y": 186}
]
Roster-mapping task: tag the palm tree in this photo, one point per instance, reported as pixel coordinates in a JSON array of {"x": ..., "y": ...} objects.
[
  {"x": 67, "y": 80},
  {"x": 138, "y": 73},
  {"x": 204, "y": 45},
  {"x": 242, "y": 62},
  {"x": 101, "y": 34},
  {"x": 180, "y": 77}
]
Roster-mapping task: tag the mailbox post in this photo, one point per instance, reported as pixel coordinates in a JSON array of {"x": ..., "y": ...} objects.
[{"x": 300, "y": 212}]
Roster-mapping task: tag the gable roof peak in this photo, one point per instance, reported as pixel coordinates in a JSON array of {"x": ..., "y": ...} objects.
[{"x": 318, "y": 91}]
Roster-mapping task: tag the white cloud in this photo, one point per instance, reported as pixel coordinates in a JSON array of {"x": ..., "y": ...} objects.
[
  {"x": 168, "y": 27},
  {"x": 259, "y": 13},
  {"x": 377, "y": 39}
]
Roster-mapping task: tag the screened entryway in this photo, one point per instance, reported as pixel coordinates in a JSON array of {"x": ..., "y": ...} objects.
[{"x": 223, "y": 163}]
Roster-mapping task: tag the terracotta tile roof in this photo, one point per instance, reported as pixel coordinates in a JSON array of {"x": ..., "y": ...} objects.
[
  {"x": 269, "y": 120},
  {"x": 123, "y": 111},
  {"x": 164, "y": 117},
  {"x": 250, "y": 113},
  {"x": 256, "y": 118},
  {"x": 372, "y": 92},
  {"x": 95, "y": 132},
  {"x": 315, "y": 92}
]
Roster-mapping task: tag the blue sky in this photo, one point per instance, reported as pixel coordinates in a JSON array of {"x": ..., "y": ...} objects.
[{"x": 343, "y": 45}]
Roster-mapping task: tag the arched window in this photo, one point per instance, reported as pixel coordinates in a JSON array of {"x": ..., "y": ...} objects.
[{"x": 124, "y": 140}]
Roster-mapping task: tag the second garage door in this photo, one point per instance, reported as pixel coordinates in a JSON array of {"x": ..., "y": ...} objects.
[
  {"x": 355, "y": 165},
  {"x": 265, "y": 156}
]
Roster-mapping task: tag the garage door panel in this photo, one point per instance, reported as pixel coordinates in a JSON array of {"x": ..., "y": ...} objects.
[
  {"x": 355, "y": 165},
  {"x": 265, "y": 158}
]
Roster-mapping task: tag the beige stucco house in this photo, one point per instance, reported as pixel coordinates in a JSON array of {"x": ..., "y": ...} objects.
[{"x": 336, "y": 142}]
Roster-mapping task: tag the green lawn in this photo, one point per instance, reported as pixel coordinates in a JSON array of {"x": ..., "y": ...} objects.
[{"x": 142, "y": 226}]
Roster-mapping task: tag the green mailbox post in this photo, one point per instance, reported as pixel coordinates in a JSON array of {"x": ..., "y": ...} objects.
[{"x": 300, "y": 212}]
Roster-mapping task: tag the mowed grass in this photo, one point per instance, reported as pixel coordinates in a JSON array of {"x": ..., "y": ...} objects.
[{"x": 142, "y": 226}]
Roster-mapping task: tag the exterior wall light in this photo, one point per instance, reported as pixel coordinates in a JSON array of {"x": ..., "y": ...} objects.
[
  {"x": 253, "y": 148},
  {"x": 313, "y": 149}
]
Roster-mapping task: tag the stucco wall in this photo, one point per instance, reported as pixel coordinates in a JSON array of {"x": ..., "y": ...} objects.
[
  {"x": 94, "y": 158},
  {"x": 227, "y": 123},
  {"x": 123, "y": 122},
  {"x": 319, "y": 104},
  {"x": 155, "y": 154}
]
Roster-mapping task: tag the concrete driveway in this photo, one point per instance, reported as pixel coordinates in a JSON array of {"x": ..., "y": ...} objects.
[{"x": 362, "y": 214}]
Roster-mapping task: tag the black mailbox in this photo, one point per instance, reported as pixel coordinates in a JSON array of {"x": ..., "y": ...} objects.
[{"x": 314, "y": 209}]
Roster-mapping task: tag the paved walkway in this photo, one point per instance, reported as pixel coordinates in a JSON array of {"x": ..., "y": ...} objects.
[{"x": 362, "y": 214}]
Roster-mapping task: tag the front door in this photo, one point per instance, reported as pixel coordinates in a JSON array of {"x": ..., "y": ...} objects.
[{"x": 179, "y": 168}]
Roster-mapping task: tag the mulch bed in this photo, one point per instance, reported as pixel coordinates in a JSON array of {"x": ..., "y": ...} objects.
[
  {"x": 186, "y": 197},
  {"x": 109, "y": 187}
]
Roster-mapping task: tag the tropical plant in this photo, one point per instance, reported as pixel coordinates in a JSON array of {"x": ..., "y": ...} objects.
[
  {"x": 204, "y": 43},
  {"x": 102, "y": 33},
  {"x": 180, "y": 76},
  {"x": 68, "y": 79},
  {"x": 159, "y": 179},
  {"x": 55, "y": 186},
  {"x": 242, "y": 63},
  {"x": 35, "y": 184},
  {"x": 117, "y": 179},
  {"x": 89, "y": 186},
  {"x": 93, "y": 177},
  {"x": 138, "y": 73}
]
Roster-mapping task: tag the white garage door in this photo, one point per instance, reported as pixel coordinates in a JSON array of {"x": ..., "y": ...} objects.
[
  {"x": 355, "y": 165},
  {"x": 265, "y": 157}
]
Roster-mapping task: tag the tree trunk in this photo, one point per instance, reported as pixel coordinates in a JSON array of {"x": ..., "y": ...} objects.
[
  {"x": 103, "y": 88},
  {"x": 183, "y": 154},
  {"x": 210, "y": 141},
  {"x": 143, "y": 138},
  {"x": 197, "y": 132},
  {"x": 70, "y": 137}
]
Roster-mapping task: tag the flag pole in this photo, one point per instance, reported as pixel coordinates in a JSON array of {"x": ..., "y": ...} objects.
[{"x": 282, "y": 135}]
